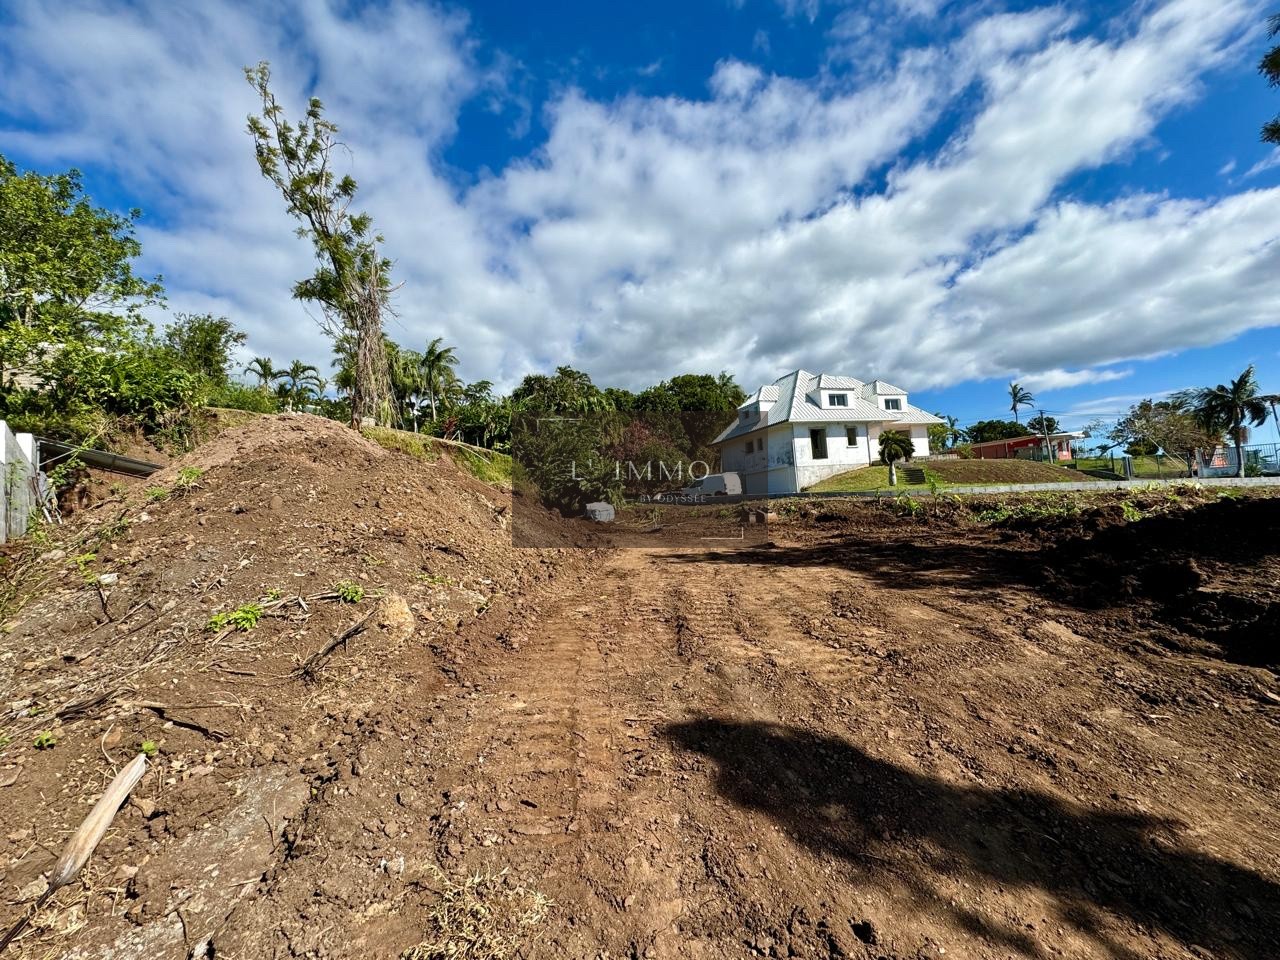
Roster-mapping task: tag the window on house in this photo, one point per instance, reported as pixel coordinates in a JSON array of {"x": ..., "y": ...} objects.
[
  {"x": 759, "y": 443},
  {"x": 839, "y": 400},
  {"x": 851, "y": 436},
  {"x": 750, "y": 445},
  {"x": 892, "y": 403},
  {"x": 818, "y": 444}
]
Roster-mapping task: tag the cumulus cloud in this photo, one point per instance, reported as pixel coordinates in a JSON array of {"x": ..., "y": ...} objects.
[{"x": 773, "y": 221}]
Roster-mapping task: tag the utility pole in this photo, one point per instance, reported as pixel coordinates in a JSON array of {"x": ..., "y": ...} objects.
[{"x": 1044, "y": 428}]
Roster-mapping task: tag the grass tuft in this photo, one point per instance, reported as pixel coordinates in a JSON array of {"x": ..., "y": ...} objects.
[{"x": 485, "y": 917}]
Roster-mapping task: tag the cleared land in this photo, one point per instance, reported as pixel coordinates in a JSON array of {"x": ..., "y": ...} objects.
[
  {"x": 951, "y": 473},
  {"x": 1032, "y": 728}
]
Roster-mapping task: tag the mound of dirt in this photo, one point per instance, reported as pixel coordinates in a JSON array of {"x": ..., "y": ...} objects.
[
  {"x": 244, "y": 614},
  {"x": 1210, "y": 571}
]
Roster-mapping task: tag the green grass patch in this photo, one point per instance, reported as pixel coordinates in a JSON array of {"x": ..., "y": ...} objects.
[
  {"x": 491, "y": 467},
  {"x": 864, "y": 480},
  {"x": 416, "y": 445},
  {"x": 946, "y": 474}
]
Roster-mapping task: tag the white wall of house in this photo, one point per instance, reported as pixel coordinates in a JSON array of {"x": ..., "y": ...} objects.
[
  {"x": 920, "y": 440},
  {"x": 781, "y": 458},
  {"x": 842, "y": 455}
]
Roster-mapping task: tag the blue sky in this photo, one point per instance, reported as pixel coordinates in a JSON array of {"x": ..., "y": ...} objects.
[{"x": 943, "y": 195}]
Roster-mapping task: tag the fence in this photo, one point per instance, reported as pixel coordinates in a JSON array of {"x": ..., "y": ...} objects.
[
  {"x": 24, "y": 489},
  {"x": 1260, "y": 460},
  {"x": 1156, "y": 466}
]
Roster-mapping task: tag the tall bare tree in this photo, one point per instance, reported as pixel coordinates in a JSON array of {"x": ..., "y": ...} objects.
[{"x": 352, "y": 282}]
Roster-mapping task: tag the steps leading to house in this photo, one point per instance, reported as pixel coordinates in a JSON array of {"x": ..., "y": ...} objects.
[{"x": 911, "y": 474}]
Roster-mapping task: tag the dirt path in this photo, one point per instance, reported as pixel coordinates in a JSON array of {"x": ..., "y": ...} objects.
[
  {"x": 870, "y": 739},
  {"x": 709, "y": 755}
]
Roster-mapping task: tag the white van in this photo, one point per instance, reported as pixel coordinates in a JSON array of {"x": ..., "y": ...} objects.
[{"x": 714, "y": 485}]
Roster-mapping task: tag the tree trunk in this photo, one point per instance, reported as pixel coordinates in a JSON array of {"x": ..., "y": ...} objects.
[
  {"x": 893, "y": 474},
  {"x": 1239, "y": 450},
  {"x": 371, "y": 391}
]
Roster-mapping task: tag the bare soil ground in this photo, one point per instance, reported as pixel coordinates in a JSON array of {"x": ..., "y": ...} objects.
[{"x": 876, "y": 736}]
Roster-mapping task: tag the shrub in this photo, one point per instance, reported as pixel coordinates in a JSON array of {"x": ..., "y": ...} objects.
[{"x": 239, "y": 396}]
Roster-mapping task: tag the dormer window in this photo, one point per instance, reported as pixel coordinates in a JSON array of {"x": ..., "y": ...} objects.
[
  {"x": 838, "y": 400},
  {"x": 892, "y": 403}
]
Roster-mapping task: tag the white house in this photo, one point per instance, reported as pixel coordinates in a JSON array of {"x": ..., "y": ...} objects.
[{"x": 805, "y": 427}]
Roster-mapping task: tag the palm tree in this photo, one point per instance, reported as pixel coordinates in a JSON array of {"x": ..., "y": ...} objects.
[
  {"x": 1226, "y": 408},
  {"x": 408, "y": 382},
  {"x": 264, "y": 370},
  {"x": 299, "y": 382},
  {"x": 1020, "y": 397},
  {"x": 437, "y": 369},
  {"x": 1271, "y": 400},
  {"x": 894, "y": 446},
  {"x": 953, "y": 432}
]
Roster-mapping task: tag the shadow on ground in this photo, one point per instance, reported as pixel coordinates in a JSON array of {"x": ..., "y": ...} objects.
[{"x": 836, "y": 799}]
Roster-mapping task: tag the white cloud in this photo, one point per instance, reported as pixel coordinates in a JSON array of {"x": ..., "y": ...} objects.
[
  {"x": 653, "y": 235},
  {"x": 1059, "y": 379},
  {"x": 1111, "y": 408},
  {"x": 1271, "y": 160}
]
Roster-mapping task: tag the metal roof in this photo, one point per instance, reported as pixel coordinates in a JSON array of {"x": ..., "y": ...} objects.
[
  {"x": 793, "y": 405},
  {"x": 828, "y": 381},
  {"x": 880, "y": 388}
]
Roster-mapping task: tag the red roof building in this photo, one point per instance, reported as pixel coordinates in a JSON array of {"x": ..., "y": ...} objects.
[{"x": 1025, "y": 447}]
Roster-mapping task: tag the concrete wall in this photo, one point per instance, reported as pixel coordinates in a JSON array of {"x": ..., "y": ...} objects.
[
  {"x": 841, "y": 455},
  {"x": 21, "y": 463}
]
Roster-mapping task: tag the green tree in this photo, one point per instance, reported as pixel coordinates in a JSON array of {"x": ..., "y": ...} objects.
[
  {"x": 353, "y": 280},
  {"x": 1019, "y": 397},
  {"x": 1226, "y": 408},
  {"x": 987, "y": 430},
  {"x": 568, "y": 392},
  {"x": 894, "y": 446},
  {"x": 1041, "y": 424},
  {"x": 264, "y": 370},
  {"x": 621, "y": 399},
  {"x": 483, "y": 419},
  {"x": 75, "y": 352},
  {"x": 945, "y": 434},
  {"x": 437, "y": 371},
  {"x": 408, "y": 382},
  {"x": 1272, "y": 400},
  {"x": 1269, "y": 67},
  {"x": 202, "y": 344},
  {"x": 63, "y": 261},
  {"x": 300, "y": 383}
]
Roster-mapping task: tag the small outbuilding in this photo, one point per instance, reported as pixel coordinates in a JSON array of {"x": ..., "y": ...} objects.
[{"x": 1025, "y": 448}]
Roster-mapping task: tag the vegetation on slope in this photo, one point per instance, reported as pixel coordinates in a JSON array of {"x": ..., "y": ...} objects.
[{"x": 951, "y": 473}]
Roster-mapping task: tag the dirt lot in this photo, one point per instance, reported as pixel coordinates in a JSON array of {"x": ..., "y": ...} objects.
[{"x": 876, "y": 736}]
